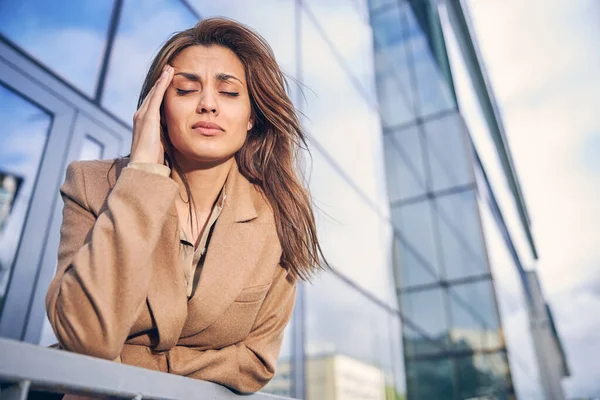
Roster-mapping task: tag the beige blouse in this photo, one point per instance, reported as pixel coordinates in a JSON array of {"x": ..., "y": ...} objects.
[{"x": 191, "y": 259}]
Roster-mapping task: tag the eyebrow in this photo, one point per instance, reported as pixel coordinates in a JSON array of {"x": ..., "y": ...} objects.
[{"x": 190, "y": 76}]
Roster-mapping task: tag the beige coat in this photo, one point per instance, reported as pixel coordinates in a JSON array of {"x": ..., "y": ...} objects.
[{"x": 118, "y": 290}]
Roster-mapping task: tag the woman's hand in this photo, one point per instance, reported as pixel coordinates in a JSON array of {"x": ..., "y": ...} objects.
[{"x": 146, "y": 145}]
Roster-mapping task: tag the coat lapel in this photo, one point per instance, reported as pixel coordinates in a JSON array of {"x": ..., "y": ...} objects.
[
  {"x": 233, "y": 253},
  {"x": 167, "y": 293},
  {"x": 166, "y": 297}
]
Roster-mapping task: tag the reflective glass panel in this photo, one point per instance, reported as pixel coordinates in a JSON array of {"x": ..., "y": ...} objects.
[
  {"x": 404, "y": 164},
  {"x": 69, "y": 38},
  {"x": 348, "y": 343},
  {"x": 430, "y": 379},
  {"x": 411, "y": 268},
  {"x": 449, "y": 161},
  {"x": 376, "y": 4},
  {"x": 415, "y": 223},
  {"x": 426, "y": 309},
  {"x": 144, "y": 26},
  {"x": 432, "y": 94},
  {"x": 339, "y": 119},
  {"x": 468, "y": 328},
  {"x": 416, "y": 343},
  {"x": 462, "y": 245},
  {"x": 483, "y": 376},
  {"x": 394, "y": 76},
  {"x": 349, "y": 38},
  {"x": 91, "y": 149},
  {"x": 477, "y": 298},
  {"x": 356, "y": 239},
  {"x": 25, "y": 128}
]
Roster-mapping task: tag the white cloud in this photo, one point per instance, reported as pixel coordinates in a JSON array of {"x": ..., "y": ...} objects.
[{"x": 544, "y": 65}]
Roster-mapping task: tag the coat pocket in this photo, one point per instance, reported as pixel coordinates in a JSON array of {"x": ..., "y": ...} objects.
[{"x": 253, "y": 294}]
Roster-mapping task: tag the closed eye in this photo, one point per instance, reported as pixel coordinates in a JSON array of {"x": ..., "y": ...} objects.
[
  {"x": 232, "y": 94},
  {"x": 182, "y": 92}
]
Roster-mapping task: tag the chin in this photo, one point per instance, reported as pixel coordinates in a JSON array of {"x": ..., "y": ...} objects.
[{"x": 207, "y": 154}]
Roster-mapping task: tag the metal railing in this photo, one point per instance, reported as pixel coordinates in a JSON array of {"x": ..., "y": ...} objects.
[{"x": 25, "y": 367}]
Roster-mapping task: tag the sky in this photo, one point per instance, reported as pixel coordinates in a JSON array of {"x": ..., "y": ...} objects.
[{"x": 543, "y": 61}]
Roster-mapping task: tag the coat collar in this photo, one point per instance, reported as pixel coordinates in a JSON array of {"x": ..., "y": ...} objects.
[
  {"x": 233, "y": 253},
  {"x": 239, "y": 195}
]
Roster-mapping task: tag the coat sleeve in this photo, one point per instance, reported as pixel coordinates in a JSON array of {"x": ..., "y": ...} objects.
[
  {"x": 104, "y": 263},
  {"x": 249, "y": 365}
]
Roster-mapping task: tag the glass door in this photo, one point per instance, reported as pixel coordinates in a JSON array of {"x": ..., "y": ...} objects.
[
  {"x": 90, "y": 141},
  {"x": 34, "y": 133}
]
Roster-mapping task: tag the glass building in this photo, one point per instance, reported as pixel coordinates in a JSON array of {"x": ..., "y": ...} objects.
[{"x": 419, "y": 206}]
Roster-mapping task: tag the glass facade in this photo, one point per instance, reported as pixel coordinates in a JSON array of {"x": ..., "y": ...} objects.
[
  {"x": 25, "y": 128},
  {"x": 426, "y": 297}
]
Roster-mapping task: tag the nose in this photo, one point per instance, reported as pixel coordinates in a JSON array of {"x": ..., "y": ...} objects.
[{"x": 207, "y": 103}]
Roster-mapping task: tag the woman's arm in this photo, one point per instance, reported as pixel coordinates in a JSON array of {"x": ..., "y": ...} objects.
[
  {"x": 249, "y": 365},
  {"x": 104, "y": 264}
]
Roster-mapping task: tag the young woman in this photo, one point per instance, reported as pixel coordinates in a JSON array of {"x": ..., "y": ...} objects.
[{"x": 183, "y": 257}]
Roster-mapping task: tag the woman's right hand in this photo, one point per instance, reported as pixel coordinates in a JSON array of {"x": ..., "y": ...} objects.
[{"x": 146, "y": 145}]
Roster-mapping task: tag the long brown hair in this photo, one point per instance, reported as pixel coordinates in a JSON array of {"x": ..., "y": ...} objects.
[{"x": 269, "y": 157}]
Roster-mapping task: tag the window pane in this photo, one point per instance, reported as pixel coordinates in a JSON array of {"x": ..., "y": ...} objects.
[
  {"x": 416, "y": 344},
  {"x": 404, "y": 164},
  {"x": 477, "y": 301},
  {"x": 415, "y": 222},
  {"x": 460, "y": 235},
  {"x": 144, "y": 26},
  {"x": 91, "y": 149},
  {"x": 426, "y": 309},
  {"x": 413, "y": 269},
  {"x": 339, "y": 119},
  {"x": 376, "y": 4},
  {"x": 356, "y": 240},
  {"x": 393, "y": 71},
  {"x": 348, "y": 343},
  {"x": 430, "y": 380},
  {"x": 70, "y": 39},
  {"x": 349, "y": 38},
  {"x": 483, "y": 376},
  {"x": 25, "y": 130},
  {"x": 433, "y": 94},
  {"x": 448, "y": 158},
  {"x": 468, "y": 329}
]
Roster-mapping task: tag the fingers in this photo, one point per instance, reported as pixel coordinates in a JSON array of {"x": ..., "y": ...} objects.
[
  {"x": 162, "y": 83},
  {"x": 159, "y": 90}
]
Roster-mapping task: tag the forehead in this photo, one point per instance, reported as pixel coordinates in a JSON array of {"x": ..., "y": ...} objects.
[{"x": 209, "y": 59}]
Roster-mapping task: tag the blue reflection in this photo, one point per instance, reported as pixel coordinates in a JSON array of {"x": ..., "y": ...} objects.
[
  {"x": 394, "y": 72},
  {"x": 24, "y": 133},
  {"x": 433, "y": 93},
  {"x": 69, "y": 39}
]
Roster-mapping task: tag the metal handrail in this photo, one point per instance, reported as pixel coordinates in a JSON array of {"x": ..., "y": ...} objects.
[{"x": 25, "y": 367}]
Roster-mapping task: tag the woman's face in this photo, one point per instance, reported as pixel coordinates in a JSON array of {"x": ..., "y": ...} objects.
[{"x": 207, "y": 106}]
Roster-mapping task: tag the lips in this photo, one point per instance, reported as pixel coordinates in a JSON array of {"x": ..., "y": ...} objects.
[{"x": 207, "y": 128}]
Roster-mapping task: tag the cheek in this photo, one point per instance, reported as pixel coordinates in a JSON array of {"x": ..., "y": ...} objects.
[{"x": 173, "y": 112}]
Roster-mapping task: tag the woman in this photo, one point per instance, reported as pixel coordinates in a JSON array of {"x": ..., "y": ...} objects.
[{"x": 184, "y": 256}]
